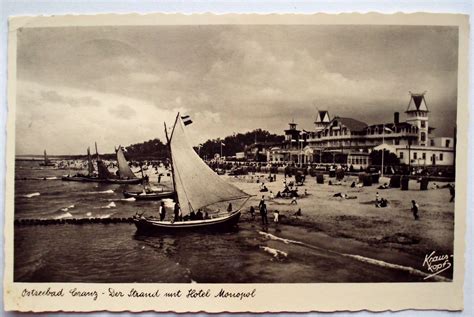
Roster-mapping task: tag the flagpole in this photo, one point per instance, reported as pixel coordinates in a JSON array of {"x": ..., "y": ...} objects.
[{"x": 383, "y": 150}]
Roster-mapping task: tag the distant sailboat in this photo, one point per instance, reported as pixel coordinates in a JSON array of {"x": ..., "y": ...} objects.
[
  {"x": 46, "y": 162},
  {"x": 124, "y": 175},
  {"x": 198, "y": 190},
  {"x": 91, "y": 176}
]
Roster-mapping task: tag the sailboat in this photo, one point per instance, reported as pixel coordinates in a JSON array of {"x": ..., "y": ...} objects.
[
  {"x": 124, "y": 174},
  {"x": 91, "y": 176},
  {"x": 198, "y": 189},
  {"x": 46, "y": 162}
]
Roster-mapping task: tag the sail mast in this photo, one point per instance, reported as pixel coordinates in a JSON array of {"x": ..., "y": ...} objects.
[
  {"x": 168, "y": 141},
  {"x": 97, "y": 152}
]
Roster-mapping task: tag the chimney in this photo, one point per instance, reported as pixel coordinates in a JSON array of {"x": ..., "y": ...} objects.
[{"x": 396, "y": 117}]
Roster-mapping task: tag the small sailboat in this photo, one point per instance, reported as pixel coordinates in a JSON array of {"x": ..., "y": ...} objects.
[
  {"x": 46, "y": 161},
  {"x": 124, "y": 175},
  {"x": 198, "y": 189},
  {"x": 91, "y": 176}
]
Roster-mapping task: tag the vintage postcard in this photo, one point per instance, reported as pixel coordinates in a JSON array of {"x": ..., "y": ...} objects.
[{"x": 236, "y": 163}]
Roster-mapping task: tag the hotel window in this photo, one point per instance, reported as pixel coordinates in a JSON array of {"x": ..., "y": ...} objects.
[
  {"x": 397, "y": 141},
  {"x": 448, "y": 143},
  {"x": 415, "y": 155},
  {"x": 423, "y": 135},
  {"x": 423, "y": 124},
  {"x": 432, "y": 142},
  {"x": 401, "y": 155},
  {"x": 441, "y": 156},
  {"x": 423, "y": 155}
]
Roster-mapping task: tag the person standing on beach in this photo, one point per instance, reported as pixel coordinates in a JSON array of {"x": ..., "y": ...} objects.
[
  {"x": 452, "y": 192},
  {"x": 252, "y": 212},
  {"x": 263, "y": 212},
  {"x": 414, "y": 209}
]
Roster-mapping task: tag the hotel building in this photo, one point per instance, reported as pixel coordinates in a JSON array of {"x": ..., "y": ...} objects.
[{"x": 353, "y": 140}]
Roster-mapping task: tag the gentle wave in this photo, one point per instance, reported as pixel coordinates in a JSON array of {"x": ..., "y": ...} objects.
[
  {"x": 110, "y": 191},
  {"x": 111, "y": 205},
  {"x": 360, "y": 258},
  {"x": 273, "y": 237},
  {"x": 31, "y": 195},
  {"x": 275, "y": 252},
  {"x": 64, "y": 215},
  {"x": 408, "y": 269},
  {"x": 123, "y": 199}
]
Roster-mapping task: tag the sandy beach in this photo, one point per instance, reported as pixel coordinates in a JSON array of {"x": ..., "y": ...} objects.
[{"x": 389, "y": 233}]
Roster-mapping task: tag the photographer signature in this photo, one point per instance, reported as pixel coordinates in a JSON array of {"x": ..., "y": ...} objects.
[{"x": 435, "y": 264}]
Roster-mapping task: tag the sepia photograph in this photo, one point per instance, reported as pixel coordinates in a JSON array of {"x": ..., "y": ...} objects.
[{"x": 235, "y": 154}]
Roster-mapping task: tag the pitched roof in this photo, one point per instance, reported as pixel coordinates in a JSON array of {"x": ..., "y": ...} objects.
[
  {"x": 417, "y": 103},
  {"x": 351, "y": 124},
  {"x": 322, "y": 117}
]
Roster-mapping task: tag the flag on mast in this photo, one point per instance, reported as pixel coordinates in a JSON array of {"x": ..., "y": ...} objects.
[{"x": 186, "y": 120}]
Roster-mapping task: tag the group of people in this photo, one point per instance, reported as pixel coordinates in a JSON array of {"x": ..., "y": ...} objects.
[
  {"x": 262, "y": 206},
  {"x": 178, "y": 215}
]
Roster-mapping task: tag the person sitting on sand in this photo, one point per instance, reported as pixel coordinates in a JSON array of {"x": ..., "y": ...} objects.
[
  {"x": 377, "y": 198},
  {"x": 298, "y": 213},
  {"x": 384, "y": 186},
  {"x": 271, "y": 195},
  {"x": 293, "y": 201},
  {"x": 278, "y": 195},
  {"x": 264, "y": 189},
  {"x": 353, "y": 184},
  {"x": 344, "y": 196}
]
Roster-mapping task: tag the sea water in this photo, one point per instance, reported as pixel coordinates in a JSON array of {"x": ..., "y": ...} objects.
[{"x": 115, "y": 253}]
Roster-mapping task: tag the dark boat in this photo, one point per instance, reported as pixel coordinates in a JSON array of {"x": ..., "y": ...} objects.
[
  {"x": 150, "y": 195},
  {"x": 198, "y": 188},
  {"x": 154, "y": 226}
]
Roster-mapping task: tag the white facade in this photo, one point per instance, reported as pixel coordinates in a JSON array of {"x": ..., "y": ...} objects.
[{"x": 421, "y": 155}]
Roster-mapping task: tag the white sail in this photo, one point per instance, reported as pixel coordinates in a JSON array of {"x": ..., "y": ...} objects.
[
  {"x": 124, "y": 170},
  {"x": 196, "y": 184}
]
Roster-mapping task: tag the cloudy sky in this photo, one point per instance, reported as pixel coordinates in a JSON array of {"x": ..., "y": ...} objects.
[{"x": 116, "y": 85}]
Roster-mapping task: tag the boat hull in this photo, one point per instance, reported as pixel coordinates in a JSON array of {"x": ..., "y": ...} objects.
[
  {"x": 150, "y": 226},
  {"x": 123, "y": 181},
  {"x": 101, "y": 180},
  {"x": 83, "y": 179},
  {"x": 149, "y": 196}
]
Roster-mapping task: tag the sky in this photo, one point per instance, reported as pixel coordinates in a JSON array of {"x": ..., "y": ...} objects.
[{"x": 117, "y": 85}]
